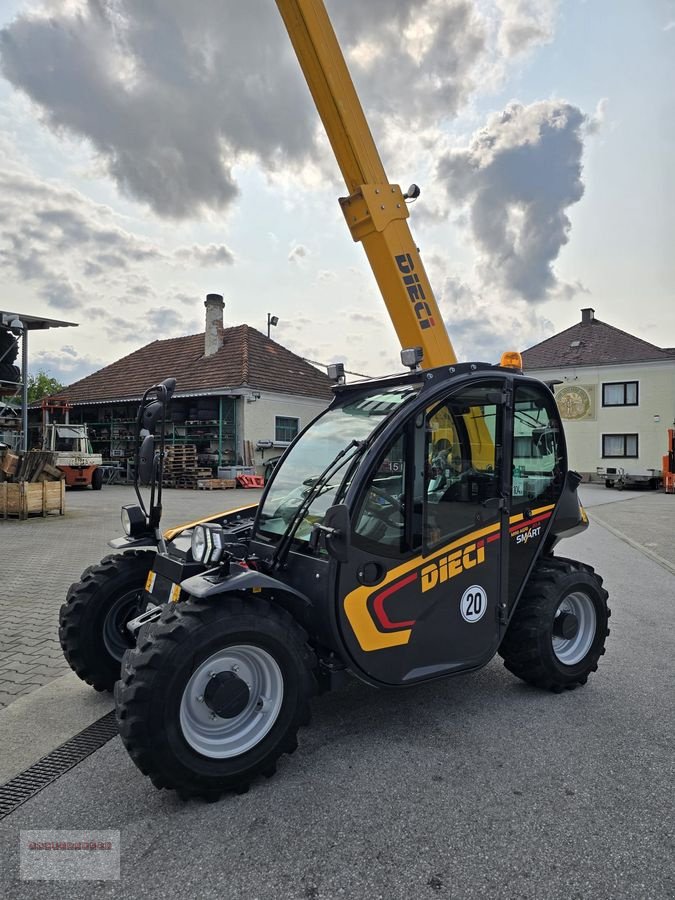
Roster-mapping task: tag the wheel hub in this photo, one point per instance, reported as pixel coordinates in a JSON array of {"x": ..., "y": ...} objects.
[
  {"x": 566, "y": 626},
  {"x": 574, "y": 628},
  {"x": 226, "y": 695},
  {"x": 231, "y": 701}
]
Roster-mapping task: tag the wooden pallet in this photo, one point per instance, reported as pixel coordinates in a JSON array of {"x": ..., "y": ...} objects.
[{"x": 216, "y": 484}]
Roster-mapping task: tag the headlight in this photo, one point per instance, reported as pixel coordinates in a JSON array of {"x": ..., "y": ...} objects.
[
  {"x": 207, "y": 544},
  {"x": 198, "y": 543},
  {"x": 133, "y": 520}
]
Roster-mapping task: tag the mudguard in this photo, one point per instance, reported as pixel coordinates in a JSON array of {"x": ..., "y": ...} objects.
[
  {"x": 129, "y": 543},
  {"x": 210, "y": 584}
]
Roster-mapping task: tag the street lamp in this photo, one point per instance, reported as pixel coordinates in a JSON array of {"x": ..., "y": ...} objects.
[{"x": 271, "y": 320}]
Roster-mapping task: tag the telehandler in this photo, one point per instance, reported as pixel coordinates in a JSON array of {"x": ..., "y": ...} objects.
[{"x": 407, "y": 534}]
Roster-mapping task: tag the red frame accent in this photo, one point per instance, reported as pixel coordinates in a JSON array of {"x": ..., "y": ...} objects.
[{"x": 378, "y": 604}]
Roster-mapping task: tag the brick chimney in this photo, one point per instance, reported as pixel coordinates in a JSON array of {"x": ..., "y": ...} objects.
[
  {"x": 213, "y": 332},
  {"x": 587, "y": 316}
]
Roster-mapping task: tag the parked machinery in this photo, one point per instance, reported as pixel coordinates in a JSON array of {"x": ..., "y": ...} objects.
[{"x": 409, "y": 533}]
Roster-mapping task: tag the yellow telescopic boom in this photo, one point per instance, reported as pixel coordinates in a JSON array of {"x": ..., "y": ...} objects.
[{"x": 375, "y": 210}]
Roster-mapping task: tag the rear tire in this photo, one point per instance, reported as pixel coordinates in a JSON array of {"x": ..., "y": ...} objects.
[
  {"x": 9, "y": 374},
  {"x": 9, "y": 348},
  {"x": 534, "y": 648},
  {"x": 165, "y": 714},
  {"x": 93, "y": 619},
  {"x": 97, "y": 479}
]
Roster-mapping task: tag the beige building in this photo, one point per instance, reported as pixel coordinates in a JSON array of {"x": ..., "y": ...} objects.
[{"x": 615, "y": 393}]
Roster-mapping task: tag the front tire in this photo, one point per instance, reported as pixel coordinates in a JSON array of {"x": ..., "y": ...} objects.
[
  {"x": 92, "y": 621},
  {"x": 214, "y": 693},
  {"x": 97, "y": 479},
  {"x": 557, "y": 633}
]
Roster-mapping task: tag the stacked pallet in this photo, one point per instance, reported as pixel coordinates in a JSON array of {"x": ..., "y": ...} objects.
[
  {"x": 181, "y": 469},
  {"x": 30, "y": 484},
  {"x": 216, "y": 484}
]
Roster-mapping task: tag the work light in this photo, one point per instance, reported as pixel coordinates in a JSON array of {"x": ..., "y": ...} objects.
[
  {"x": 207, "y": 543},
  {"x": 133, "y": 520},
  {"x": 411, "y": 357}
]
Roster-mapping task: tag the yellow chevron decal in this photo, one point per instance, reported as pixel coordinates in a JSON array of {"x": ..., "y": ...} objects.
[{"x": 356, "y": 602}]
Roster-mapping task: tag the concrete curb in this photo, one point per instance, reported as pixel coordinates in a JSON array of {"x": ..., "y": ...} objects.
[
  {"x": 37, "y": 723},
  {"x": 633, "y": 543}
]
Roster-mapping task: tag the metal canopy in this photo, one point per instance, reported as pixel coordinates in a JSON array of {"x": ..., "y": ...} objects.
[
  {"x": 33, "y": 323},
  {"x": 21, "y": 328}
]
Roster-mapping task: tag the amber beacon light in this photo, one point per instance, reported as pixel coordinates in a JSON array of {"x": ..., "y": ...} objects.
[{"x": 512, "y": 360}]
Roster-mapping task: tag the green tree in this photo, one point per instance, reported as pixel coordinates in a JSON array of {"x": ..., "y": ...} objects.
[{"x": 42, "y": 385}]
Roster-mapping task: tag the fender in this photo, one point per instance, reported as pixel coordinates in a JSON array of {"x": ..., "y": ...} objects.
[
  {"x": 128, "y": 543},
  {"x": 209, "y": 585}
]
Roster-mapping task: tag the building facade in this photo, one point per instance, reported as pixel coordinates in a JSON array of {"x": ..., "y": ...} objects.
[{"x": 615, "y": 393}]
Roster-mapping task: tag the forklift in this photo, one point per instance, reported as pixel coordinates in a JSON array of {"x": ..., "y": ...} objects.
[{"x": 409, "y": 533}]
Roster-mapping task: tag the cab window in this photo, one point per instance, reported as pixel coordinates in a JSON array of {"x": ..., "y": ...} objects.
[
  {"x": 538, "y": 458},
  {"x": 380, "y": 523},
  {"x": 463, "y": 461}
]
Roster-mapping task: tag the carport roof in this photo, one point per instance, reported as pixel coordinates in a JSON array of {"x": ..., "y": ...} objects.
[
  {"x": 33, "y": 323},
  {"x": 246, "y": 360}
]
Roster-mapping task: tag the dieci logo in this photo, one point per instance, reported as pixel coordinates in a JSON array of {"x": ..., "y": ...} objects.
[
  {"x": 413, "y": 285},
  {"x": 453, "y": 564}
]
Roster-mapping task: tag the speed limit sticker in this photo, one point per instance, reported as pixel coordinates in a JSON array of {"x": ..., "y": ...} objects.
[{"x": 473, "y": 603}]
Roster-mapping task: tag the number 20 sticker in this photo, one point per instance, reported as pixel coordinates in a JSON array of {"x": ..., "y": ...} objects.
[{"x": 473, "y": 603}]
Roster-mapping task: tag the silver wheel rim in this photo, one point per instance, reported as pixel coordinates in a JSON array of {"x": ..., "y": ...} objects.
[
  {"x": 570, "y": 651},
  {"x": 220, "y": 738}
]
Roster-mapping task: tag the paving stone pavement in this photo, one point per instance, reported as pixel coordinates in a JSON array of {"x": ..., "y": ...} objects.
[{"x": 40, "y": 558}]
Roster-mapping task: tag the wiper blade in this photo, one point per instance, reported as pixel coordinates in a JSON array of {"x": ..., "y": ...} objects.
[{"x": 339, "y": 460}]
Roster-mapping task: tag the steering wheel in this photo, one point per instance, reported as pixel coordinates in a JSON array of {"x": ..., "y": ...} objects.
[{"x": 394, "y": 504}]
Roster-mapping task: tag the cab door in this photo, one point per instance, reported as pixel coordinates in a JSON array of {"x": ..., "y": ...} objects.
[{"x": 422, "y": 592}]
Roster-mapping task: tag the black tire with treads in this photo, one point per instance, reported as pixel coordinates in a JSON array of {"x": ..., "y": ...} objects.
[
  {"x": 114, "y": 588},
  {"x": 527, "y": 648},
  {"x": 156, "y": 673}
]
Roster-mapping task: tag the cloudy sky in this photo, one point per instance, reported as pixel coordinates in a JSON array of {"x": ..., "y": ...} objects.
[{"x": 157, "y": 150}]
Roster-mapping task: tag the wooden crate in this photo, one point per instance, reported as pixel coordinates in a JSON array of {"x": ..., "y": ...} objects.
[
  {"x": 25, "y": 499},
  {"x": 215, "y": 484}
]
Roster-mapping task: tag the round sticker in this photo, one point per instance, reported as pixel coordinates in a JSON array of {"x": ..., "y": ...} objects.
[{"x": 473, "y": 603}]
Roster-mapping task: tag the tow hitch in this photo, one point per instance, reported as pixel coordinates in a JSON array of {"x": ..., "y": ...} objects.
[{"x": 151, "y": 614}]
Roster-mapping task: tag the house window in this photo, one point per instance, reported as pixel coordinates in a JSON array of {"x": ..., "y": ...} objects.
[
  {"x": 285, "y": 429},
  {"x": 620, "y": 393},
  {"x": 615, "y": 446}
]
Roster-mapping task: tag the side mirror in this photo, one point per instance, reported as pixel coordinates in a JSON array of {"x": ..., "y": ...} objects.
[
  {"x": 146, "y": 459},
  {"x": 151, "y": 414},
  {"x": 165, "y": 389},
  {"x": 336, "y": 530}
]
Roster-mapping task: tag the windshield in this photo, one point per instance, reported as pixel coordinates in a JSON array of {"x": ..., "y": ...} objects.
[
  {"x": 69, "y": 439},
  {"x": 312, "y": 453}
]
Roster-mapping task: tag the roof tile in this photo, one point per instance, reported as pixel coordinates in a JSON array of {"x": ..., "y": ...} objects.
[
  {"x": 593, "y": 343},
  {"x": 246, "y": 359}
]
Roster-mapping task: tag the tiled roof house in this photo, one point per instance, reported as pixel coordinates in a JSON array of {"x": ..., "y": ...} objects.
[
  {"x": 240, "y": 396},
  {"x": 616, "y": 394}
]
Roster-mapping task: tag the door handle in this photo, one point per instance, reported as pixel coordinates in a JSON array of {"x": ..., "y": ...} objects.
[{"x": 370, "y": 573}]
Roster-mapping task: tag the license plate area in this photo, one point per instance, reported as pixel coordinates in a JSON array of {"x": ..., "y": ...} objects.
[{"x": 162, "y": 589}]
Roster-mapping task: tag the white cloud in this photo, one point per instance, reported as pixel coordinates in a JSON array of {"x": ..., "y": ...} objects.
[
  {"x": 171, "y": 96},
  {"x": 518, "y": 176},
  {"x": 298, "y": 253}
]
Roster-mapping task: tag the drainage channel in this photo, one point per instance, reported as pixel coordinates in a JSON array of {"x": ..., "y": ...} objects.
[{"x": 42, "y": 773}]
